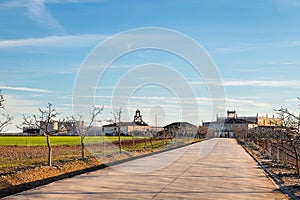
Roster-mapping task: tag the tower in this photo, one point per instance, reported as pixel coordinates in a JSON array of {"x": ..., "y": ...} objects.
[
  {"x": 138, "y": 116},
  {"x": 231, "y": 114}
]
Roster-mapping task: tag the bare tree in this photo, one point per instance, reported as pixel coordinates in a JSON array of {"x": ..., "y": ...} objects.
[
  {"x": 291, "y": 123},
  {"x": 117, "y": 117},
  {"x": 148, "y": 134},
  {"x": 293, "y": 139},
  {"x": 289, "y": 119},
  {"x": 6, "y": 118},
  {"x": 45, "y": 123},
  {"x": 201, "y": 132},
  {"x": 241, "y": 132},
  {"x": 83, "y": 130}
]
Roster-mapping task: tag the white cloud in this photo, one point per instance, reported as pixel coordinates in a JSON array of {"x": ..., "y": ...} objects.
[
  {"x": 38, "y": 11},
  {"x": 71, "y": 1},
  {"x": 248, "y": 102},
  {"x": 293, "y": 100},
  {"x": 17, "y": 107},
  {"x": 54, "y": 41},
  {"x": 24, "y": 89},
  {"x": 260, "y": 83},
  {"x": 292, "y": 43},
  {"x": 188, "y": 100},
  {"x": 288, "y": 3}
]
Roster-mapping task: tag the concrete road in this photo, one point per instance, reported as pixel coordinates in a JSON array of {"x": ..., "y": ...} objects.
[{"x": 214, "y": 169}]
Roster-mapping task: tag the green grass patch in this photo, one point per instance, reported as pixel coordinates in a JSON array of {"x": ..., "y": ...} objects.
[
  {"x": 38, "y": 140},
  {"x": 55, "y": 140}
]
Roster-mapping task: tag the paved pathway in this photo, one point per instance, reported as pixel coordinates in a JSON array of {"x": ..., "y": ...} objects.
[{"x": 214, "y": 169}]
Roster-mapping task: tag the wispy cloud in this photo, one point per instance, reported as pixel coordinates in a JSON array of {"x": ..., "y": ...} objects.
[
  {"x": 38, "y": 11},
  {"x": 71, "y": 1},
  {"x": 236, "y": 47},
  {"x": 55, "y": 41},
  {"x": 24, "y": 89},
  {"x": 35, "y": 10},
  {"x": 293, "y": 100},
  {"x": 291, "y": 43},
  {"x": 189, "y": 100},
  {"x": 263, "y": 83},
  {"x": 288, "y": 3},
  {"x": 248, "y": 102}
]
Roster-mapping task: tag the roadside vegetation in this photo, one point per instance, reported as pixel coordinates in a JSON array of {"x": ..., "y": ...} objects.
[{"x": 277, "y": 148}]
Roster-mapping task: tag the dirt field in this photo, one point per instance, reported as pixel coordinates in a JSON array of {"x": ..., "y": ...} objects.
[
  {"x": 16, "y": 158},
  {"x": 36, "y": 176}
]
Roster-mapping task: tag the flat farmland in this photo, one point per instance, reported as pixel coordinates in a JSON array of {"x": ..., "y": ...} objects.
[
  {"x": 55, "y": 140},
  {"x": 23, "y": 152}
]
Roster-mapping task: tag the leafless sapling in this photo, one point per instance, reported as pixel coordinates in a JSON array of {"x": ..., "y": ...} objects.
[
  {"x": 44, "y": 122},
  {"x": 291, "y": 125},
  {"x": 83, "y": 130},
  {"x": 6, "y": 118},
  {"x": 117, "y": 117}
]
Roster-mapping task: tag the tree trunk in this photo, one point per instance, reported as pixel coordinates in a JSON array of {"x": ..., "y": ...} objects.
[
  {"x": 103, "y": 146},
  {"x": 264, "y": 147},
  {"x": 145, "y": 142},
  {"x": 133, "y": 142},
  {"x": 297, "y": 160},
  {"x": 283, "y": 155},
  {"x": 284, "y": 158},
  {"x": 119, "y": 138},
  {"x": 49, "y": 151},
  {"x": 277, "y": 151},
  {"x": 151, "y": 142},
  {"x": 82, "y": 151},
  {"x": 269, "y": 150}
]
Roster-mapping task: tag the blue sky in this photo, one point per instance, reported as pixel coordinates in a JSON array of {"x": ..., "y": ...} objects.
[{"x": 254, "y": 44}]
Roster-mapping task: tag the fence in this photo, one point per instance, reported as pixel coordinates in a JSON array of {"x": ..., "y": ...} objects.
[{"x": 281, "y": 152}]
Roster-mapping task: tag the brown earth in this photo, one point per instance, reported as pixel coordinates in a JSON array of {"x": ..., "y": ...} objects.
[
  {"x": 33, "y": 177},
  {"x": 14, "y": 158}
]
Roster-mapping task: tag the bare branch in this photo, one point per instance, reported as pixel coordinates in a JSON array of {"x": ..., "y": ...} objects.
[
  {"x": 83, "y": 130},
  {"x": 43, "y": 122},
  {"x": 6, "y": 118},
  {"x": 1, "y": 100}
]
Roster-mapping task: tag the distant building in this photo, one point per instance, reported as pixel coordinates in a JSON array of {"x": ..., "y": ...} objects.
[
  {"x": 226, "y": 126},
  {"x": 54, "y": 128},
  {"x": 31, "y": 130},
  {"x": 156, "y": 129},
  {"x": 137, "y": 126},
  {"x": 180, "y": 129}
]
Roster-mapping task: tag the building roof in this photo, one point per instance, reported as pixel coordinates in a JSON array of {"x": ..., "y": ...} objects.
[
  {"x": 179, "y": 124},
  {"x": 236, "y": 121},
  {"x": 127, "y": 124}
]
